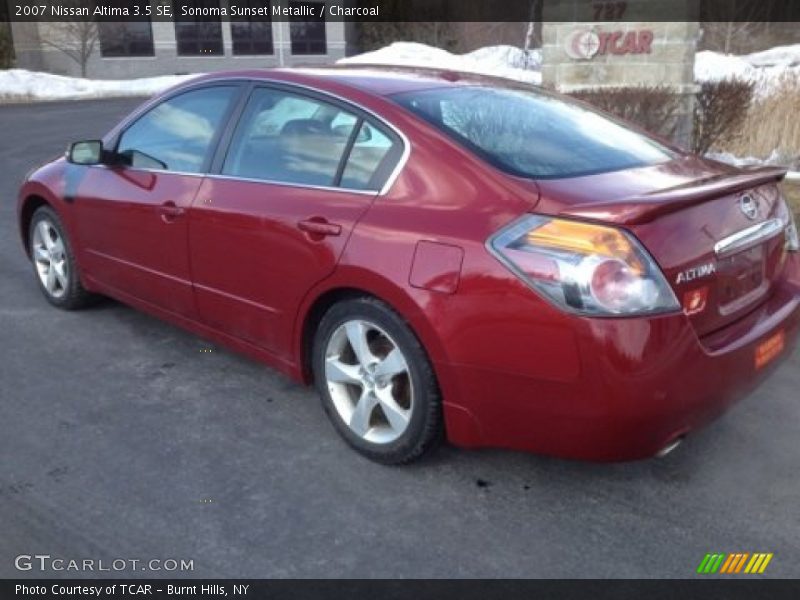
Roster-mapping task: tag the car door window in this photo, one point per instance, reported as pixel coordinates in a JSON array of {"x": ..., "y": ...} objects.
[
  {"x": 289, "y": 138},
  {"x": 177, "y": 135},
  {"x": 369, "y": 159}
]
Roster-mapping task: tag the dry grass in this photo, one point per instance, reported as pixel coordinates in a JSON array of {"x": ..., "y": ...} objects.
[
  {"x": 791, "y": 189},
  {"x": 771, "y": 123}
]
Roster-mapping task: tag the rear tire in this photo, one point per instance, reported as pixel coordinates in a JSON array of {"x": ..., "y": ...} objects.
[
  {"x": 376, "y": 383},
  {"x": 54, "y": 261}
]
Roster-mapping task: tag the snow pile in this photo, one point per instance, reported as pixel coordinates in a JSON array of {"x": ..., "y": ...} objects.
[
  {"x": 767, "y": 69},
  {"x": 499, "y": 61},
  {"x": 786, "y": 56},
  {"x": 502, "y": 57},
  {"x": 19, "y": 84},
  {"x": 775, "y": 159},
  {"x": 745, "y": 161}
]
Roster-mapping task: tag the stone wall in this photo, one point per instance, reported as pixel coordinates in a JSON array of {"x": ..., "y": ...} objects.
[
  {"x": 669, "y": 62},
  {"x": 586, "y": 54}
]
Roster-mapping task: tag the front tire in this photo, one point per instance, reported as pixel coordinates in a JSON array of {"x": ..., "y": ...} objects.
[
  {"x": 376, "y": 382},
  {"x": 54, "y": 261}
]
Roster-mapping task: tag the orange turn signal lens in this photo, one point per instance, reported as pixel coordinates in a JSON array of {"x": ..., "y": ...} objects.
[{"x": 586, "y": 238}]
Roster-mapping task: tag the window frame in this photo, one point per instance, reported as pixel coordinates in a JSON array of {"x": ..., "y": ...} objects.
[
  {"x": 400, "y": 145},
  {"x": 239, "y": 92},
  {"x": 220, "y": 144}
]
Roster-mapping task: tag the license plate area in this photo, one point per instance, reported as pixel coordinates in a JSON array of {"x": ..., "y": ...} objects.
[
  {"x": 769, "y": 349},
  {"x": 741, "y": 279}
]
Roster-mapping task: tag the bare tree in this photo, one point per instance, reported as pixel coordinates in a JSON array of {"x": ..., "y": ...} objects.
[
  {"x": 76, "y": 39},
  {"x": 731, "y": 25},
  {"x": 532, "y": 36}
]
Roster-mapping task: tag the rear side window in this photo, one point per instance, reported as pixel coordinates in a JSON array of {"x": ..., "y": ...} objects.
[
  {"x": 532, "y": 134},
  {"x": 287, "y": 138},
  {"x": 284, "y": 137},
  {"x": 371, "y": 156},
  {"x": 177, "y": 135}
]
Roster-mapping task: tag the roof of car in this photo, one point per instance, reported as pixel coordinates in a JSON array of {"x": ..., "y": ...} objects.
[{"x": 374, "y": 79}]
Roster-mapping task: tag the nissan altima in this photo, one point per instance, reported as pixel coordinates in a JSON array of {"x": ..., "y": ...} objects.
[{"x": 445, "y": 256}]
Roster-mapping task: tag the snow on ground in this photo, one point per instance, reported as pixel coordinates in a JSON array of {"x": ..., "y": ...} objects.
[
  {"x": 787, "y": 56},
  {"x": 749, "y": 161},
  {"x": 500, "y": 61},
  {"x": 19, "y": 84},
  {"x": 766, "y": 68}
]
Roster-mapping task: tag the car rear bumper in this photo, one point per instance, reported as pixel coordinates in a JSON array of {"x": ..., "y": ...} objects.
[{"x": 640, "y": 384}]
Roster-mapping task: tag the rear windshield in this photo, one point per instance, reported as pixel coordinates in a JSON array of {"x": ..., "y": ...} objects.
[{"x": 532, "y": 134}]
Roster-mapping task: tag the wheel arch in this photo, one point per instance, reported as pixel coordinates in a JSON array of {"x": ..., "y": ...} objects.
[
  {"x": 365, "y": 284},
  {"x": 460, "y": 426},
  {"x": 28, "y": 206}
]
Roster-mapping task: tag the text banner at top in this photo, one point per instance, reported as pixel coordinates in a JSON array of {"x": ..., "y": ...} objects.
[{"x": 401, "y": 10}]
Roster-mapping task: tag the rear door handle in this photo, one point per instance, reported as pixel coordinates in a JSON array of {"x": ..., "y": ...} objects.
[
  {"x": 319, "y": 226},
  {"x": 169, "y": 211}
]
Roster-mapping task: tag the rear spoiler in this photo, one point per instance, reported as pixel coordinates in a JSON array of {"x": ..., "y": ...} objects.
[{"x": 646, "y": 207}]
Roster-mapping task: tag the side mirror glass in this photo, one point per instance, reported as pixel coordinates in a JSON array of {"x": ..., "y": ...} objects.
[{"x": 86, "y": 153}]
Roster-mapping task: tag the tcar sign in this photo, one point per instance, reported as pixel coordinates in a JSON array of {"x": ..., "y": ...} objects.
[{"x": 585, "y": 44}]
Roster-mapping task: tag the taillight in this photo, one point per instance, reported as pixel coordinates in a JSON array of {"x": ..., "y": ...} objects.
[{"x": 584, "y": 267}]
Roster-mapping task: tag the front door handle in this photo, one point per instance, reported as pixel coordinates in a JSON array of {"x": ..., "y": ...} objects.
[
  {"x": 170, "y": 211},
  {"x": 317, "y": 226}
]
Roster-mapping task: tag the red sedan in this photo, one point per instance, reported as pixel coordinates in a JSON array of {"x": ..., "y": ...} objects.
[{"x": 442, "y": 255}]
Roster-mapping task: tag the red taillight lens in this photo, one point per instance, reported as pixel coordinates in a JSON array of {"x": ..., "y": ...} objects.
[{"x": 613, "y": 284}]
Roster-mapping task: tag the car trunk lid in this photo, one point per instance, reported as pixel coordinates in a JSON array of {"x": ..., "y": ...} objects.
[{"x": 717, "y": 232}]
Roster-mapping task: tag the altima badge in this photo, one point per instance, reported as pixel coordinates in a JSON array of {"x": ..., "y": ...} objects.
[{"x": 696, "y": 273}]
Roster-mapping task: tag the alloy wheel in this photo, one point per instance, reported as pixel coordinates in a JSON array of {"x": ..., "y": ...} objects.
[
  {"x": 369, "y": 381},
  {"x": 50, "y": 257}
]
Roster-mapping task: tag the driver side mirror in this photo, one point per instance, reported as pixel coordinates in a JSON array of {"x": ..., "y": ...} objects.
[{"x": 88, "y": 152}]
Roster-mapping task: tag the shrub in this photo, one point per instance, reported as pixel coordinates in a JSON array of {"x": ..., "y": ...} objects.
[
  {"x": 656, "y": 109},
  {"x": 720, "y": 110}
]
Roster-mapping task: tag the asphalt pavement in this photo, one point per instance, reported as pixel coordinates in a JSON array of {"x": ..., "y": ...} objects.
[{"x": 122, "y": 437}]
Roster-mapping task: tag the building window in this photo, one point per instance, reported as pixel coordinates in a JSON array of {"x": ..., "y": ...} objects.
[
  {"x": 131, "y": 38},
  {"x": 199, "y": 35},
  {"x": 252, "y": 35},
  {"x": 308, "y": 34}
]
